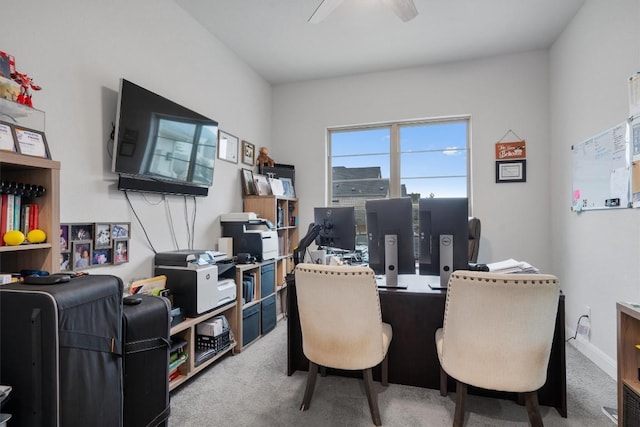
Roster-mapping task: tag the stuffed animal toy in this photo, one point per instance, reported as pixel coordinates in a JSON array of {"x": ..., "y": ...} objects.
[{"x": 263, "y": 158}]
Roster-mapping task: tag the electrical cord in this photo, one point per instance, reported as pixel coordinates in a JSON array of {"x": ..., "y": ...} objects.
[
  {"x": 577, "y": 327},
  {"x": 170, "y": 219},
  {"x": 126, "y": 195}
]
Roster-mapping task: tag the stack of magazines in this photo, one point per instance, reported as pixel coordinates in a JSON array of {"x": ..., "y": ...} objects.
[{"x": 512, "y": 266}]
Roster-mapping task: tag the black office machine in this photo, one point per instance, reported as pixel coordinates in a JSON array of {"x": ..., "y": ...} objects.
[
  {"x": 195, "y": 280},
  {"x": 251, "y": 235}
]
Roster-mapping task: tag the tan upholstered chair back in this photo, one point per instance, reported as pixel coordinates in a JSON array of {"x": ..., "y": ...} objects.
[
  {"x": 498, "y": 329},
  {"x": 340, "y": 316}
]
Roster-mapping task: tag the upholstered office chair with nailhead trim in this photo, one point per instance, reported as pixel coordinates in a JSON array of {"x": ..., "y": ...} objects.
[
  {"x": 497, "y": 335},
  {"x": 342, "y": 325}
]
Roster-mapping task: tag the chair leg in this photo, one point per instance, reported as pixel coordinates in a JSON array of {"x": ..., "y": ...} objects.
[
  {"x": 311, "y": 384},
  {"x": 533, "y": 410},
  {"x": 443, "y": 382},
  {"x": 323, "y": 371},
  {"x": 384, "y": 375},
  {"x": 461, "y": 396},
  {"x": 373, "y": 399}
]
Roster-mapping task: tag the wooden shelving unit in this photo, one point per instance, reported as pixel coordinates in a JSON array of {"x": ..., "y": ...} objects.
[
  {"x": 268, "y": 207},
  {"x": 187, "y": 331},
  {"x": 628, "y": 354},
  {"x": 44, "y": 172}
]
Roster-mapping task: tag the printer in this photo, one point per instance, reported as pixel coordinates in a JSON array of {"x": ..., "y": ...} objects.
[
  {"x": 251, "y": 235},
  {"x": 196, "y": 282}
]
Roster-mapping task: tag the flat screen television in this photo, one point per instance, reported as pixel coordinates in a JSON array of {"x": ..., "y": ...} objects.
[
  {"x": 338, "y": 227},
  {"x": 161, "y": 146},
  {"x": 444, "y": 237},
  {"x": 390, "y": 238}
]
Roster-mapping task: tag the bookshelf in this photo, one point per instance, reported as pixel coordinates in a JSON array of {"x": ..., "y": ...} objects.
[{"x": 628, "y": 361}]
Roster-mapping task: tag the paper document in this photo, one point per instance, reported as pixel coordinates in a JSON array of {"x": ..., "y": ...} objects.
[{"x": 511, "y": 266}]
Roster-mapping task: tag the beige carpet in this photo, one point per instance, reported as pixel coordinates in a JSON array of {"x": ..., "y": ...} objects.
[{"x": 253, "y": 389}]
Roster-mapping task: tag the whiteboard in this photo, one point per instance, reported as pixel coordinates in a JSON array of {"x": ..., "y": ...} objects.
[{"x": 601, "y": 170}]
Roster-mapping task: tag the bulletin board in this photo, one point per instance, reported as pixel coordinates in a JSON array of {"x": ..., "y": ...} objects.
[{"x": 602, "y": 170}]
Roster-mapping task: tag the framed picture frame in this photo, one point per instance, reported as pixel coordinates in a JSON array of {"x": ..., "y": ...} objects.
[
  {"x": 101, "y": 256},
  {"x": 248, "y": 153},
  {"x": 81, "y": 253},
  {"x": 262, "y": 185},
  {"x": 511, "y": 171},
  {"x": 248, "y": 186},
  {"x": 65, "y": 262},
  {"x": 81, "y": 232},
  {"x": 31, "y": 142},
  {"x": 227, "y": 147},
  {"x": 287, "y": 185},
  {"x": 277, "y": 189},
  {"x": 120, "y": 230},
  {"x": 64, "y": 238},
  {"x": 102, "y": 235},
  {"x": 120, "y": 251},
  {"x": 7, "y": 138}
]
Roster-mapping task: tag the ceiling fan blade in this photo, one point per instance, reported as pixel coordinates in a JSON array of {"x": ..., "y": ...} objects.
[
  {"x": 405, "y": 9},
  {"x": 323, "y": 10}
]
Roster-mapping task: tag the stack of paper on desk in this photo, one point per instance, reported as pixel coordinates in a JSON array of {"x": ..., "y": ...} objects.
[{"x": 511, "y": 266}]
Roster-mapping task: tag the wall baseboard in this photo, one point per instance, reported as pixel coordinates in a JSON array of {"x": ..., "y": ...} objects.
[{"x": 593, "y": 353}]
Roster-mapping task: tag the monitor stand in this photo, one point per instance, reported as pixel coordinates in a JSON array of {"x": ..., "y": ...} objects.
[
  {"x": 446, "y": 261},
  {"x": 390, "y": 279}
]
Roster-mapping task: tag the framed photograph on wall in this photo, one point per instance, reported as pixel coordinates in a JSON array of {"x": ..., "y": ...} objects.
[
  {"x": 64, "y": 238},
  {"x": 120, "y": 251},
  {"x": 81, "y": 252},
  {"x": 65, "y": 264},
  {"x": 7, "y": 140},
  {"x": 101, "y": 256},
  {"x": 248, "y": 153},
  {"x": 103, "y": 235},
  {"x": 248, "y": 186},
  {"x": 120, "y": 231},
  {"x": 511, "y": 171},
  {"x": 81, "y": 231},
  {"x": 227, "y": 147}
]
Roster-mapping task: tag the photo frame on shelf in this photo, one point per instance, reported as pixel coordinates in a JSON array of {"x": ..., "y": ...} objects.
[
  {"x": 120, "y": 251},
  {"x": 31, "y": 142},
  {"x": 81, "y": 253},
  {"x": 227, "y": 147},
  {"x": 287, "y": 185},
  {"x": 277, "y": 189},
  {"x": 263, "y": 187},
  {"x": 7, "y": 138},
  {"x": 103, "y": 235},
  {"x": 248, "y": 186},
  {"x": 248, "y": 153},
  {"x": 511, "y": 171}
]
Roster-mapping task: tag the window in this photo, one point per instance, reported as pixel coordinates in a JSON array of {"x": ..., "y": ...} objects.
[{"x": 428, "y": 158}]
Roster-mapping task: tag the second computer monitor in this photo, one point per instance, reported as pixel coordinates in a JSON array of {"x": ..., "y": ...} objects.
[
  {"x": 338, "y": 227},
  {"x": 390, "y": 234},
  {"x": 444, "y": 236}
]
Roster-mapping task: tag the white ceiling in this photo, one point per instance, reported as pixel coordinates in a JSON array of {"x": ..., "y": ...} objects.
[{"x": 275, "y": 39}]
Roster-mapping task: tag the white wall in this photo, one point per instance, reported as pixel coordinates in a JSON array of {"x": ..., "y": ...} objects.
[
  {"x": 77, "y": 51},
  {"x": 501, "y": 93},
  {"x": 595, "y": 253}
]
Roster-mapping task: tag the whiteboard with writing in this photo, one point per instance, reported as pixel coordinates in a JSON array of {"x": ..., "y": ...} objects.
[{"x": 601, "y": 170}]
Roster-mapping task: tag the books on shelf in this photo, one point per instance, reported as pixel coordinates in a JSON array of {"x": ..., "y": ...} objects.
[
  {"x": 512, "y": 266},
  {"x": 15, "y": 214}
]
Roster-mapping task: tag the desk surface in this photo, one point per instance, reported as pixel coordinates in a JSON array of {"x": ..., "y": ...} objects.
[{"x": 415, "y": 313}]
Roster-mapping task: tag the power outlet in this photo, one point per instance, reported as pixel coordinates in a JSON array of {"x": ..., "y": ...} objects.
[
  {"x": 587, "y": 311},
  {"x": 584, "y": 327}
]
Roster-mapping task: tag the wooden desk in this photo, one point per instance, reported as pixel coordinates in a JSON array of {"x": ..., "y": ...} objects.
[{"x": 415, "y": 313}]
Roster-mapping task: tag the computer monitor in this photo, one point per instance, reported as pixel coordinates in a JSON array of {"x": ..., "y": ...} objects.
[
  {"x": 444, "y": 237},
  {"x": 338, "y": 227},
  {"x": 390, "y": 238}
]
